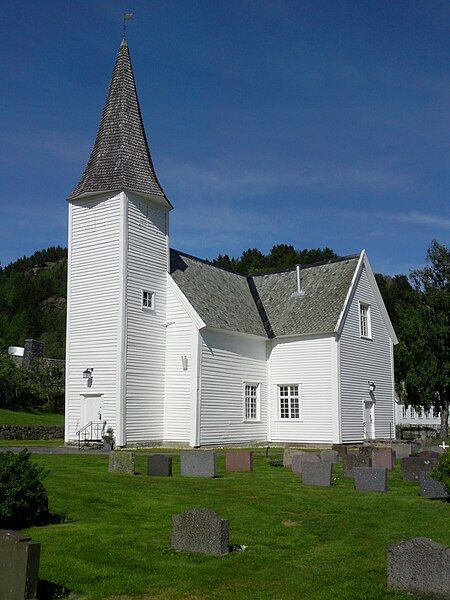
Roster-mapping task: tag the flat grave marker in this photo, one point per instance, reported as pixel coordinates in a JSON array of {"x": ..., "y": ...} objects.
[
  {"x": 317, "y": 473},
  {"x": 240, "y": 461},
  {"x": 298, "y": 460},
  {"x": 122, "y": 462},
  {"x": 412, "y": 466},
  {"x": 200, "y": 530},
  {"x": 198, "y": 463},
  {"x": 159, "y": 465},
  {"x": 289, "y": 454},
  {"x": 359, "y": 459},
  {"x": 329, "y": 456},
  {"x": 19, "y": 566},
  {"x": 430, "y": 488},
  {"x": 383, "y": 457}
]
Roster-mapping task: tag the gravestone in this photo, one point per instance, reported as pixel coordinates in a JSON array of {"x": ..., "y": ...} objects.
[
  {"x": 401, "y": 450},
  {"x": 198, "y": 463},
  {"x": 299, "y": 459},
  {"x": 19, "y": 566},
  {"x": 429, "y": 454},
  {"x": 317, "y": 473},
  {"x": 412, "y": 466},
  {"x": 341, "y": 449},
  {"x": 383, "y": 457},
  {"x": 331, "y": 456},
  {"x": 200, "y": 530},
  {"x": 419, "y": 566},
  {"x": 370, "y": 479},
  {"x": 289, "y": 454},
  {"x": 437, "y": 449},
  {"x": 359, "y": 459},
  {"x": 366, "y": 451},
  {"x": 122, "y": 462},
  {"x": 241, "y": 461},
  {"x": 430, "y": 488},
  {"x": 159, "y": 465}
]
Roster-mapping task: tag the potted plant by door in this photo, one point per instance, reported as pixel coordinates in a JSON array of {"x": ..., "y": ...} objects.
[{"x": 108, "y": 440}]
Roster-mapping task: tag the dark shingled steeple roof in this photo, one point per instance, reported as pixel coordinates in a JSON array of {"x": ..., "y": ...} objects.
[{"x": 120, "y": 159}]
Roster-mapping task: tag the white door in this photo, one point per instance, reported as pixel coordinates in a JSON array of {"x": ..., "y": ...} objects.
[
  {"x": 369, "y": 420},
  {"x": 91, "y": 409}
]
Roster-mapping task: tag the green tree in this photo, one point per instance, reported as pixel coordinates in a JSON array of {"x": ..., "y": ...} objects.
[{"x": 423, "y": 351}]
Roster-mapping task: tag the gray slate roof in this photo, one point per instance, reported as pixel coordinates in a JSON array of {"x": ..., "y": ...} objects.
[
  {"x": 263, "y": 304},
  {"x": 120, "y": 158}
]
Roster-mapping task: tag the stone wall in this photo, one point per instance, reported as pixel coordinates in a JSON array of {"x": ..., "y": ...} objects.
[{"x": 31, "y": 432}]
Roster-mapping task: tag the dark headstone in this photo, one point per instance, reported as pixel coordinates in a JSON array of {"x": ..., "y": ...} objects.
[
  {"x": 122, "y": 462},
  {"x": 419, "y": 566},
  {"x": 370, "y": 479},
  {"x": 200, "y": 530},
  {"x": 359, "y": 459},
  {"x": 240, "y": 461},
  {"x": 288, "y": 455},
  {"x": 412, "y": 466},
  {"x": 341, "y": 449},
  {"x": 299, "y": 459},
  {"x": 430, "y": 488},
  {"x": 329, "y": 456},
  {"x": 159, "y": 465},
  {"x": 383, "y": 457},
  {"x": 366, "y": 451},
  {"x": 317, "y": 473},
  {"x": 19, "y": 566},
  {"x": 198, "y": 463}
]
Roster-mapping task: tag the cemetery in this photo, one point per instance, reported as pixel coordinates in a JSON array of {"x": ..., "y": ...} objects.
[{"x": 309, "y": 529}]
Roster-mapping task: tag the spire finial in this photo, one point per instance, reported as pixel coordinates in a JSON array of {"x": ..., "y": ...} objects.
[{"x": 126, "y": 17}]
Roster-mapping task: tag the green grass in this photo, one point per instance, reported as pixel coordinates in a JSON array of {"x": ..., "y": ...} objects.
[
  {"x": 13, "y": 417},
  {"x": 303, "y": 542},
  {"x": 30, "y": 443}
]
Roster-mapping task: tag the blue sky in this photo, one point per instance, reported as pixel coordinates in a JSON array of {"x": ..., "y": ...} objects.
[{"x": 305, "y": 122}]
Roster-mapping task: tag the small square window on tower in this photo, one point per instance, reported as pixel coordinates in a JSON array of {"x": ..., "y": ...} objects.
[{"x": 148, "y": 300}]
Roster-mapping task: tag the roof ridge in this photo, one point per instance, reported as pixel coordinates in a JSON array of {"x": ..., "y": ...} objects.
[
  {"x": 208, "y": 262},
  {"x": 307, "y": 266}
]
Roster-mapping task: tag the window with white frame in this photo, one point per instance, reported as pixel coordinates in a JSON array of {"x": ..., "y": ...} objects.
[
  {"x": 289, "y": 400},
  {"x": 148, "y": 300},
  {"x": 251, "y": 401},
  {"x": 404, "y": 412},
  {"x": 412, "y": 413},
  {"x": 364, "y": 320}
]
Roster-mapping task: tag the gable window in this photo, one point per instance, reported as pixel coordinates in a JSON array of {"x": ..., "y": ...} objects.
[
  {"x": 148, "y": 300},
  {"x": 251, "y": 401},
  {"x": 364, "y": 320},
  {"x": 289, "y": 401}
]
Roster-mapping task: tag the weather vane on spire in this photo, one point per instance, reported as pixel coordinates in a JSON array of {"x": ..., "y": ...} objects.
[{"x": 126, "y": 17}]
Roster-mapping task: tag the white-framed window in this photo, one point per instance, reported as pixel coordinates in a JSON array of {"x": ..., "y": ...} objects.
[
  {"x": 404, "y": 412},
  {"x": 364, "y": 320},
  {"x": 251, "y": 402},
  {"x": 289, "y": 401},
  {"x": 412, "y": 413},
  {"x": 148, "y": 300}
]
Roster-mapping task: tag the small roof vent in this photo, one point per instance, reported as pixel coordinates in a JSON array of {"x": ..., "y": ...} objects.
[{"x": 299, "y": 292}]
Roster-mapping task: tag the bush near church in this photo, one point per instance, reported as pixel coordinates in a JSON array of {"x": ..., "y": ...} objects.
[
  {"x": 441, "y": 471},
  {"x": 23, "y": 499}
]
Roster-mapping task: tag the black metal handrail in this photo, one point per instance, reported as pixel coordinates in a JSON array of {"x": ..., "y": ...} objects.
[{"x": 92, "y": 432}]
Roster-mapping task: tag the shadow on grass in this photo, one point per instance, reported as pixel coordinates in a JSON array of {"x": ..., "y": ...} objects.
[{"x": 51, "y": 591}]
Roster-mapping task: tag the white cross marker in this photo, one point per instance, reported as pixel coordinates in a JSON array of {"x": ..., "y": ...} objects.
[{"x": 444, "y": 446}]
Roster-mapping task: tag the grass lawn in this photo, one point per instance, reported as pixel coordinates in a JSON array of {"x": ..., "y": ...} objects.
[
  {"x": 13, "y": 417},
  {"x": 303, "y": 542}
]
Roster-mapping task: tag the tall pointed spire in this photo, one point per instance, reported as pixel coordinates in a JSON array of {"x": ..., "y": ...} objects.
[{"x": 120, "y": 158}]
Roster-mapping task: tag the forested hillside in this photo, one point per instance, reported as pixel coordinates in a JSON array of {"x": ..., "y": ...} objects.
[{"x": 33, "y": 300}]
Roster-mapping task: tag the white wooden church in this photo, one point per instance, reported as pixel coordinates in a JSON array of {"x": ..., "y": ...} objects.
[{"x": 168, "y": 349}]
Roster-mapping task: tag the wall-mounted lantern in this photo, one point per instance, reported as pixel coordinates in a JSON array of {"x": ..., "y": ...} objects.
[
  {"x": 372, "y": 386},
  {"x": 87, "y": 374}
]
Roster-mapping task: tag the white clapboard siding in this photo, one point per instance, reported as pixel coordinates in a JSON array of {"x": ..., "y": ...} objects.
[
  {"x": 308, "y": 363},
  {"x": 228, "y": 361},
  {"x": 93, "y": 306},
  {"x": 178, "y": 383},
  {"x": 146, "y": 267},
  {"x": 361, "y": 361}
]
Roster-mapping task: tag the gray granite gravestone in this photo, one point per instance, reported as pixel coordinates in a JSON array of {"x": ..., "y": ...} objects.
[
  {"x": 437, "y": 449},
  {"x": 329, "y": 456},
  {"x": 289, "y": 454},
  {"x": 198, "y": 463},
  {"x": 383, "y": 457},
  {"x": 370, "y": 479},
  {"x": 159, "y": 465},
  {"x": 200, "y": 530},
  {"x": 317, "y": 473},
  {"x": 122, "y": 462},
  {"x": 341, "y": 449},
  {"x": 412, "y": 466},
  {"x": 419, "y": 566},
  {"x": 429, "y": 454},
  {"x": 366, "y": 451},
  {"x": 359, "y": 459},
  {"x": 299, "y": 459},
  {"x": 19, "y": 566},
  {"x": 430, "y": 488},
  {"x": 402, "y": 450}
]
